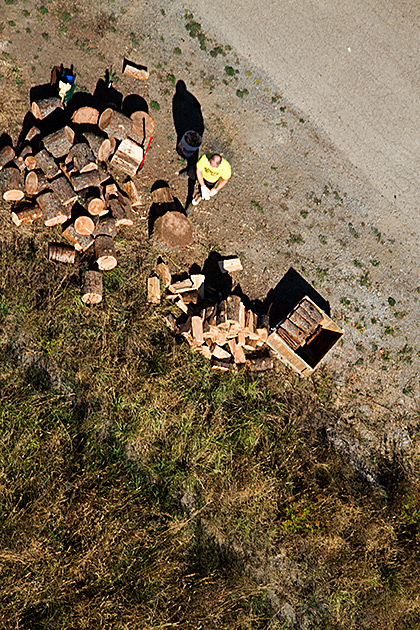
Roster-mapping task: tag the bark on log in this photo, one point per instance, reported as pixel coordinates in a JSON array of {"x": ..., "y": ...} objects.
[
  {"x": 59, "y": 252},
  {"x": 119, "y": 212},
  {"x": 53, "y": 211},
  {"x": 27, "y": 214},
  {"x": 82, "y": 157},
  {"x": 35, "y": 182},
  {"x": 59, "y": 142},
  {"x": 143, "y": 122},
  {"x": 63, "y": 189},
  {"x": 133, "y": 194},
  {"x": 105, "y": 253},
  {"x": 7, "y": 154},
  {"x": 84, "y": 225},
  {"x": 128, "y": 157},
  {"x": 174, "y": 229},
  {"x": 115, "y": 124},
  {"x": 309, "y": 312},
  {"x": 105, "y": 227},
  {"x": 101, "y": 146},
  {"x": 80, "y": 181},
  {"x": 92, "y": 287},
  {"x": 85, "y": 116},
  {"x": 11, "y": 185},
  {"x": 42, "y": 108},
  {"x": 46, "y": 163},
  {"x": 92, "y": 200},
  {"x": 79, "y": 242}
]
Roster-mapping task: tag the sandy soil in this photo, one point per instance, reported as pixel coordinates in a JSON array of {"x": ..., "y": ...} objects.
[{"x": 298, "y": 198}]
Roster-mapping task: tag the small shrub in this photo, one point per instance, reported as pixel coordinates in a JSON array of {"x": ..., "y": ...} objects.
[
  {"x": 229, "y": 71},
  {"x": 154, "y": 105},
  {"x": 177, "y": 51}
]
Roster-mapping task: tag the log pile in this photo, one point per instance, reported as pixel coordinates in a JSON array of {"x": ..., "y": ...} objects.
[
  {"x": 62, "y": 173},
  {"x": 227, "y": 333}
]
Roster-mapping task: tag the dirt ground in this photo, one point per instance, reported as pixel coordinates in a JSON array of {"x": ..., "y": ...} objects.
[{"x": 293, "y": 201}]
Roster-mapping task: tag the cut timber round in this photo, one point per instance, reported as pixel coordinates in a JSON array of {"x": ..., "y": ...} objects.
[
  {"x": 174, "y": 229},
  {"x": 11, "y": 186},
  {"x": 79, "y": 242},
  {"x": 105, "y": 253},
  {"x": 95, "y": 205},
  {"x": 46, "y": 163},
  {"x": 35, "y": 182},
  {"x": 85, "y": 116},
  {"x": 143, "y": 123},
  {"x": 53, "y": 210},
  {"x": 63, "y": 189},
  {"x": 59, "y": 252},
  {"x": 121, "y": 214},
  {"x": 85, "y": 180},
  {"x": 101, "y": 146},
  {"x": 92, "y": 287},
  {"x": 30, "y": 162},
  {"x": 60, "y": 142},
  {"x": 41, "y": 109},
  {"x": 115, "y": 124},
  {"x": 106, "y": 227},
  {"x": 84, "y": 225},
  {"x": 26, "y": 215},
  {"x": 82, "y": 157},
  {"x": 6, "y": 155},
  {"x": 128, "y": 157}
]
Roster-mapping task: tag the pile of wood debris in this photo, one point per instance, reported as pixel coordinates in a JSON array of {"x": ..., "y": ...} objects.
[
  {"x": 226, "y": 332},
  {"x": 60, "y": 173}
]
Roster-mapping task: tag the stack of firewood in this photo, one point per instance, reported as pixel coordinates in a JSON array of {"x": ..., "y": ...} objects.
[
  {"x": 61, "y": 176},
  {"x": 226, "y": 332}
]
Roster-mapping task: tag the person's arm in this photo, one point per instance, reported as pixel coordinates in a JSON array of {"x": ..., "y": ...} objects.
[
  {"x": 220, "y": 185},
  {"x": 205, "y": 192}
]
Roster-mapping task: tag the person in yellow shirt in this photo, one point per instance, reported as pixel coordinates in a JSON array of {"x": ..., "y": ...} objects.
[{"x": 213, "y": 172}]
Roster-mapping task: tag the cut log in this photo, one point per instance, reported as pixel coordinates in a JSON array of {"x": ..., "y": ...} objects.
[
  {"x": 53, "y": 211},
  {"x": 115, "y": 124},
  {"x": 106, "y": 257},
  {"x": 32, "y": 133},
  {"x": 181, "y": 286},
  {"x": 7, "y": 154},
  {"x": 24, "y": 153},
  {"x": 164, "y": 273},
  {"x": 259, "y": 364},
  {"x": 119, "y": 212},
  {"x": 63, "y": 189},
  {"x": 174, "y": 229},
  {"x": 237, "y": 352},
  {"x": 35, "y": 182},
  {"x": 46, "y": 163},
  {"x": 27, "y": 214},
  {"x": 233, "y": 306},
  {"x": 128, "y": 157},
  {"x": 92, "y": 287},
  {"x": 101, "y": 146},
  {"x": 224, "y": 366},
  {"x": 30, "y": 162},
  {"x": 92, "y": 200},
  {"x": 105, "y": 227},
  {"x": 59, "y": 252},
  {"x": 41, "y": 109},
  {"x": 197, "y": 329},
  {"x": 84, "y": 225},
  {"x": 85, "y": 116},
  {"x": 59, "y": 142},
  {"x": 300, "y": 321},
  {"x": 228, "y": 265},
  {"x": 79, "y": 242},
  {"x": 82, "y": 158},
  {"x": 11, "y": 185},
  {"x": 162, "y": 195},
  {"x": 309, "y": 312},
  {"x": 134, "y": 70},
  {"x": 143, "y": 125},
  {"x": 133, "y": 194},
  {"x": 80, "y": 181},
  {"x": 153, "y": 290},
  {"x": 220, "y": 353},
  {"x": 293, "y": 331}
]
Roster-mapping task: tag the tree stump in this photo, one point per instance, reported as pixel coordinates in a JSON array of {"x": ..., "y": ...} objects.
[
  {"x": 35, "y": 182},
  {"x": 79, "y": 242},
  {"x": 27, "y": 214},
  {"x": 59, "y": 252},
  {"x": 92, "y": 287},
  {"x": 101, "y": 146},
  {"x": 41, "y": 109},
  {"x": 85, "y": 116},
  {"x": 63, "y": 189},
  {"x": 81, "y": 155},
  {"x": 128, "y": 157},
  {"x": 11, "y": 185},
  {"x": 115, "y": 124},
  {"x": 84, "y": 225},
  {"x": 6, "y": 155},
  {"x": 174, "y": 229},
  {"x": 80, "y": 181},
  {"x": 105, "y": 253},
  {"x": 46, "y": 163},
  {"x": 105, "y": 227},
  {"x": 59, "y": 142},
  {"x": 53, "y": 211}
]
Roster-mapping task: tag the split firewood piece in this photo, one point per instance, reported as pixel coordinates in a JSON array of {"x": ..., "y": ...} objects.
[
  {"x": 293, "y": 331},
  {"x": 7, "y": 154},
  {"x": 153, "y": 290},
  {"x": 133, "y": 194},
  {"x": 230, "y": 264},
  {"x": 221, "y": 315},
  {"x": 136, "y": 71},
  {"x": 80, "y": 181},
  {"x": 46, "y": 163},
  {"x": 26, "y": 214},
  {"x": 263, "y": 334},
  {"x": 85, "y": 116},
  {"x": 223, "y": 365},
  {"x": 102, "y": 147},
  {"x": 233, "y": 305},
  {"x": 259, "y": 364},
  {"x": 181, "y": 286},
  {"x": 128, "y": 157},
  {"x": 197, "y": 329},
  {"x": 59, "y": 252},
  {"x": 35, "y": 181},
  {"x": 32, "y": 133},
  {"x": 300, "y": 321},
  {"x": 291, "y": 341},
  {"x": 190, "y": 297},
  {"x": 198, "y": 280},
  {"x": 205, "y": 351},
  {"x": 82, "y": 157},
  {"x": 210, "y": 315},
  {"x": 92, "y": 287},
  {"x": 11, "y": 185},
  {"x": 105, "y": 227},
  {"x": 143, "y": 125},
  {"x": 237, "y": 352},
  {"x": 309, "y": 312},
  {"x": 164, "y": 273},
  {"x": 119, "y": 212},
  {"x": 180, "y": 304},
  {"x": 63, "y": 189},
  {"x": 241, "y": 338},
  {"x": 80, "y": 243},
  {"x": 84, "y": 225},
  {"x": 106, "y": 257},
  {"x": 53, "y": 211},
  {"x": 170, "y": 321},
  {"x": 249, "y": 322},
  {"x": 59, "y": 142},
  {"x": 115, "y": 124},
  {"x": 42, "y": 108},
  {"x": 220, "y": 353}
]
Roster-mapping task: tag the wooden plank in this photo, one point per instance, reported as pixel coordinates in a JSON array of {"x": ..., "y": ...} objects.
[
  {"x": 153, "y": 290},
  {"x": 286, "y": 354}
]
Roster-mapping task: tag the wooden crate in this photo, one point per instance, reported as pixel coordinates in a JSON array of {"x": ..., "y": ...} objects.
[{"x": 305, "y": 358}]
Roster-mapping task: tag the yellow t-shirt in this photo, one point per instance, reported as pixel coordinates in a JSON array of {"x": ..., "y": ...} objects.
[{"x": 223, "y": 171}]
